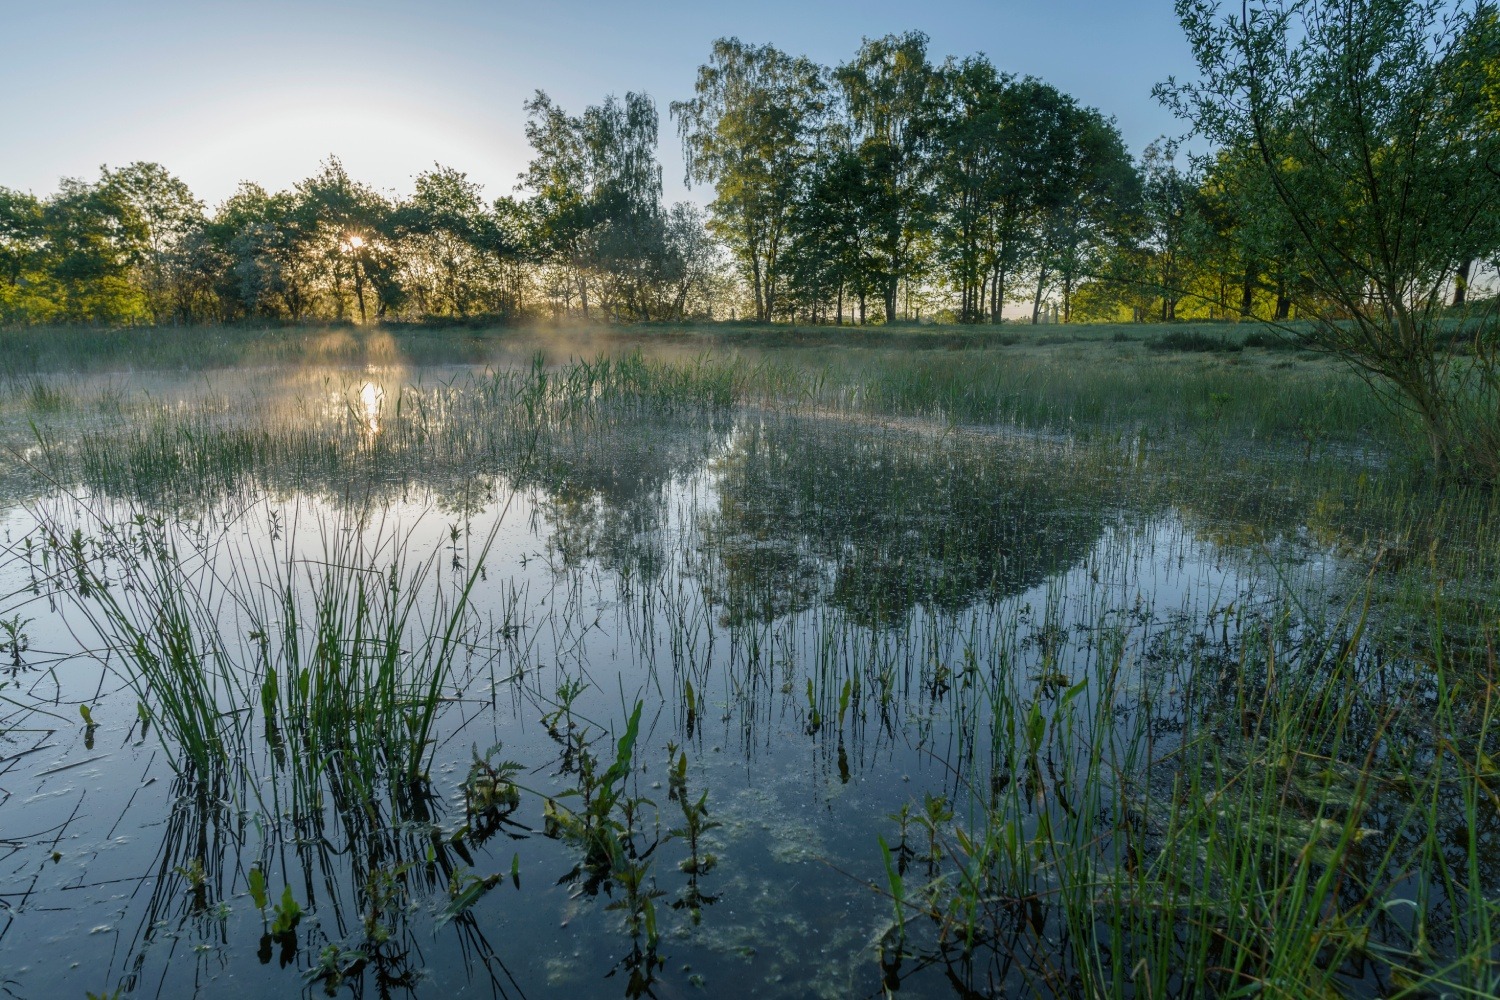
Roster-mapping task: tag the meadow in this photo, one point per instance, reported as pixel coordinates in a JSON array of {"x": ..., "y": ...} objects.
[{"x": 706, "y": 660}]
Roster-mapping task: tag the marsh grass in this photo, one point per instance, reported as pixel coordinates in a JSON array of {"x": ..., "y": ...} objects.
[
  {"x": 346, "y": 651},
  {"x": 1054, "y": 378},
  {"x": 1314, "y": 828},
  {"x": 1250, "y": 794}
]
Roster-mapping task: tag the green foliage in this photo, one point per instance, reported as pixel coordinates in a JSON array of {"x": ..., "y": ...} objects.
[
  {"x": 287, "y": 913},
  {"x": 753, "y": 130},
  {"x": 1193, "y": 340},
  {"x": 13, "y": 638},
  {"x": 257, "y": 886},
  {"x": 1363, "y": 135}
]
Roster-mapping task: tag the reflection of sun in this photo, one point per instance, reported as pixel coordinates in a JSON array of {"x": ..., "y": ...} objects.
[
  {"x": 370, "y": 398},
  {"x": 355, "y": 242}
]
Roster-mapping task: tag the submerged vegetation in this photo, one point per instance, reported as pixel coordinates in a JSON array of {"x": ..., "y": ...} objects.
[{"x": 1189, "y": 693}]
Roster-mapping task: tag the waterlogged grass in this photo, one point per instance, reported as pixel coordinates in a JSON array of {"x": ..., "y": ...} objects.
[
  {"x": 815, "y": 671},
  {"x": 1312, "y": 826},
  {"x": 1092, "y": 378},
  {"x": 345, "y": 650}
]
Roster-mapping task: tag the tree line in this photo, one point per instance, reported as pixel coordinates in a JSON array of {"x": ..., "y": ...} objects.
[
  {"x": 592, "y": 236},
  {"x": 892, "y": 186}
]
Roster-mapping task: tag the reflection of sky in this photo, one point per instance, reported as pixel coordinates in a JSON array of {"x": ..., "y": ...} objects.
[
  {"x": 771, "y": 784},
  {"x": 236, "y": 90}
]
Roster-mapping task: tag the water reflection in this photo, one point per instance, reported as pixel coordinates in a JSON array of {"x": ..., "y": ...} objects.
[
  {"x": 371, "y": 396},
  {"x": 878, "y": 523},
  {"x": 811, "y": 612}
]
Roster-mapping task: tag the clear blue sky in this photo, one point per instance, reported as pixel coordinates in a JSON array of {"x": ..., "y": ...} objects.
[{"x": 220, "y": 90}]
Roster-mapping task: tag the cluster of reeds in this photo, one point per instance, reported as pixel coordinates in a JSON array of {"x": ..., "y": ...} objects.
[
  {"x": 1311, "y": 822},
  {"x": 340, "y": 653}
]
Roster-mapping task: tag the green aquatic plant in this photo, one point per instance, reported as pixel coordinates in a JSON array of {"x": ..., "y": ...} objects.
[
  {"x": 14, "y": 639},
  {"x": 287, "y": 913},
  {"x": 601, "y": 795},
  {"x": 348, "y": 655},
  {"x": 1277, "y": 846},
  {"x": 490, "y": 784}
]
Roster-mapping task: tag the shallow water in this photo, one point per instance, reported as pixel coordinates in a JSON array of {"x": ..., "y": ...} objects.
[{"x": 823, "y": 617}]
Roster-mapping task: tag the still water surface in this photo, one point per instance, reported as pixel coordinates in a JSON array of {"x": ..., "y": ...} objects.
[{"x": 819, "y": 616}]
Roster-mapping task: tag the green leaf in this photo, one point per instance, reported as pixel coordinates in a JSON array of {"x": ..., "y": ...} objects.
[
  {"x": 288, "y": 913},
  {"x": 258, "y": 888},
  {"x": 470, "y": 895},
  {"x": 1073, "y": 692}
]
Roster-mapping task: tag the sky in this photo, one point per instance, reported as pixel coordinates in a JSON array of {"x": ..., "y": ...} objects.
[{"x": 221, "y": 91}]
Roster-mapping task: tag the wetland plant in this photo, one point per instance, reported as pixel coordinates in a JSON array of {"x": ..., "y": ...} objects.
[
  {"x": 1314, "y": 829},
  {"x": 346, "y": 651},
  {"x": 13, "y": 639}
]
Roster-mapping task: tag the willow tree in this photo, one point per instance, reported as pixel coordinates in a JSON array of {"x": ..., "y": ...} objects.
[
  {"x": 1367, "y": 122},
  {"x": 752, "y": 130}
]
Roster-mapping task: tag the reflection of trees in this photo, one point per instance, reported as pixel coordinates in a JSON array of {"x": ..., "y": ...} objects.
[
  {"x": 602, "y": 487},
  {"x": 877, "y": 523}
]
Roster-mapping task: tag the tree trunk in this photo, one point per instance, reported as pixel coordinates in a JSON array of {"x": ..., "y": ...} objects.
[
  {"x": 1036, "y": 301},
  {"x": 359, "y": 290},
  {"x": 1461, "y": 283},
  {"x": 757, "y": 281},
  {"x": 997, "y": 296}
]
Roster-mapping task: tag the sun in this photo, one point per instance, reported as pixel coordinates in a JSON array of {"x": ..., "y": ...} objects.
[{"x": 355, "y": 242}]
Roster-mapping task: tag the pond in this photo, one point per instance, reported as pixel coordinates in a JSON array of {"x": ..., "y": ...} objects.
[{"x": 555, "y": 683}]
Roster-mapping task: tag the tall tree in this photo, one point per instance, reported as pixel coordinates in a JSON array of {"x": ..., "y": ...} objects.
[
  {"x": 890, "y": 92},
  {"x": 21, "y": 261},
  {"x": 454, "y": 243},
  {"x": 990, "y": 136},
  {"x": 753, "y": 131},
  {"x": 343, "y": 218},
  {"x": 92, "y": 237},
  {"x": 267, "y": 239},
  {"x": 626, "y": 210},
  {"x": 597, "y": 189},
  {"x": 166, "y": 215},
  {"x": 1166, "y": 204},
  {"x": 827, "y": 251},
  {"x": 1086, "y": 196}
]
